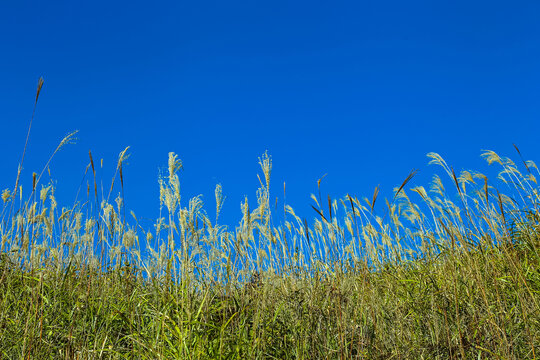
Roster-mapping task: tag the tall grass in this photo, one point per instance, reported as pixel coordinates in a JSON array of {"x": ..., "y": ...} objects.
[{"x": 449, "y": 272}]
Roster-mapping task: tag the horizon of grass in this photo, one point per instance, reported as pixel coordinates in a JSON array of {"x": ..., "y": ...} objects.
[{"x": 451, "y": 275}]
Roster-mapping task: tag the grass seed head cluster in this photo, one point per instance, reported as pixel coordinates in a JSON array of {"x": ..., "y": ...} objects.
[{"x": 446, "y": 272}]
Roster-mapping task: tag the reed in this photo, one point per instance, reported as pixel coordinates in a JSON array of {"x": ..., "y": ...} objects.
[{"x": 448, "y": 272}]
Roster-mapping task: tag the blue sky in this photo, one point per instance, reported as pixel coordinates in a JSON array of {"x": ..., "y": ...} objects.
[{"x": 358, "y": 90}]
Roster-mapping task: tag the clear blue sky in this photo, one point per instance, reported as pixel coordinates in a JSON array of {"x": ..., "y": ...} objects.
[{"x": 360, "y": 90}]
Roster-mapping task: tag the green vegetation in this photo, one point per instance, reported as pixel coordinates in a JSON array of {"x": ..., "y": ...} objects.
[{"x": 453, "y": 274}]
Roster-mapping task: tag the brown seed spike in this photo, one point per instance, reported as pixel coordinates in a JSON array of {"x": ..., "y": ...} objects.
[
  {"x": 375, "y": 194},
  {"x": 456, "y": 181},
  {"x": 352, "y": 205},
  {"x": 307, "y": 229},
  {"x": 121, "y": 175},
  {"x": 319, "y": 212},
  {"x": 319, "y": 188},
  {"x": 409, "y": 177},
  {"x": 93, "y": 172},
  {"x": 330, "y": 207},
  {"x": 486, "y": 189},
  {"x": 40, "y": 85},
  {"x": 524, "y": 163},
  {"x": 92, "y": 162},
  {"x": 501, "y": 207},
  {"x": 319, "y": 182}
]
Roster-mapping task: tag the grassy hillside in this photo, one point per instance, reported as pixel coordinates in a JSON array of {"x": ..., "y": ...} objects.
[{"x": 449, "y": 272}]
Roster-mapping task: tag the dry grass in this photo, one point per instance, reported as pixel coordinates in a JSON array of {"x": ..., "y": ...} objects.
[{"x": 451, "y": 275}]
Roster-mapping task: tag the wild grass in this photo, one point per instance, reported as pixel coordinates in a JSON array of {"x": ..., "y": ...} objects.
[{"x": 449, "y": 272}]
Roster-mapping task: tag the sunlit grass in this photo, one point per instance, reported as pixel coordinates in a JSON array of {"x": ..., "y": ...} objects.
[{"x": 445, "y": 272}]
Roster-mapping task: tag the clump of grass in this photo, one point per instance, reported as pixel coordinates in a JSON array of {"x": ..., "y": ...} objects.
[{"x": 449, "y": 272}]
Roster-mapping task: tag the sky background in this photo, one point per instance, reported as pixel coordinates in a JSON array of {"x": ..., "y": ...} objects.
[{"x": 358, "y": 90}]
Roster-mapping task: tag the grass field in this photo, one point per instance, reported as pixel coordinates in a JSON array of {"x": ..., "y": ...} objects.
[{"x": 445, "y": 272}]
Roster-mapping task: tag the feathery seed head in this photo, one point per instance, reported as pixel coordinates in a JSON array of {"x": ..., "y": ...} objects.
[
  {"x": 68, "y": 139},
  {"x": 119, "y": 203},
  {"x": 491, "y": 157},
  {"x": 123, "y": 156},
  {"x": 89, "y": 225},
  {"x": 44, "y": 192},
  {"x": 6, "y": 194},
  {"x": 219, "y": 199},
  {"x": 175, "y": 164},
  {"x": 129, "y": 238},
  {"x": 78, "y": 221}
]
